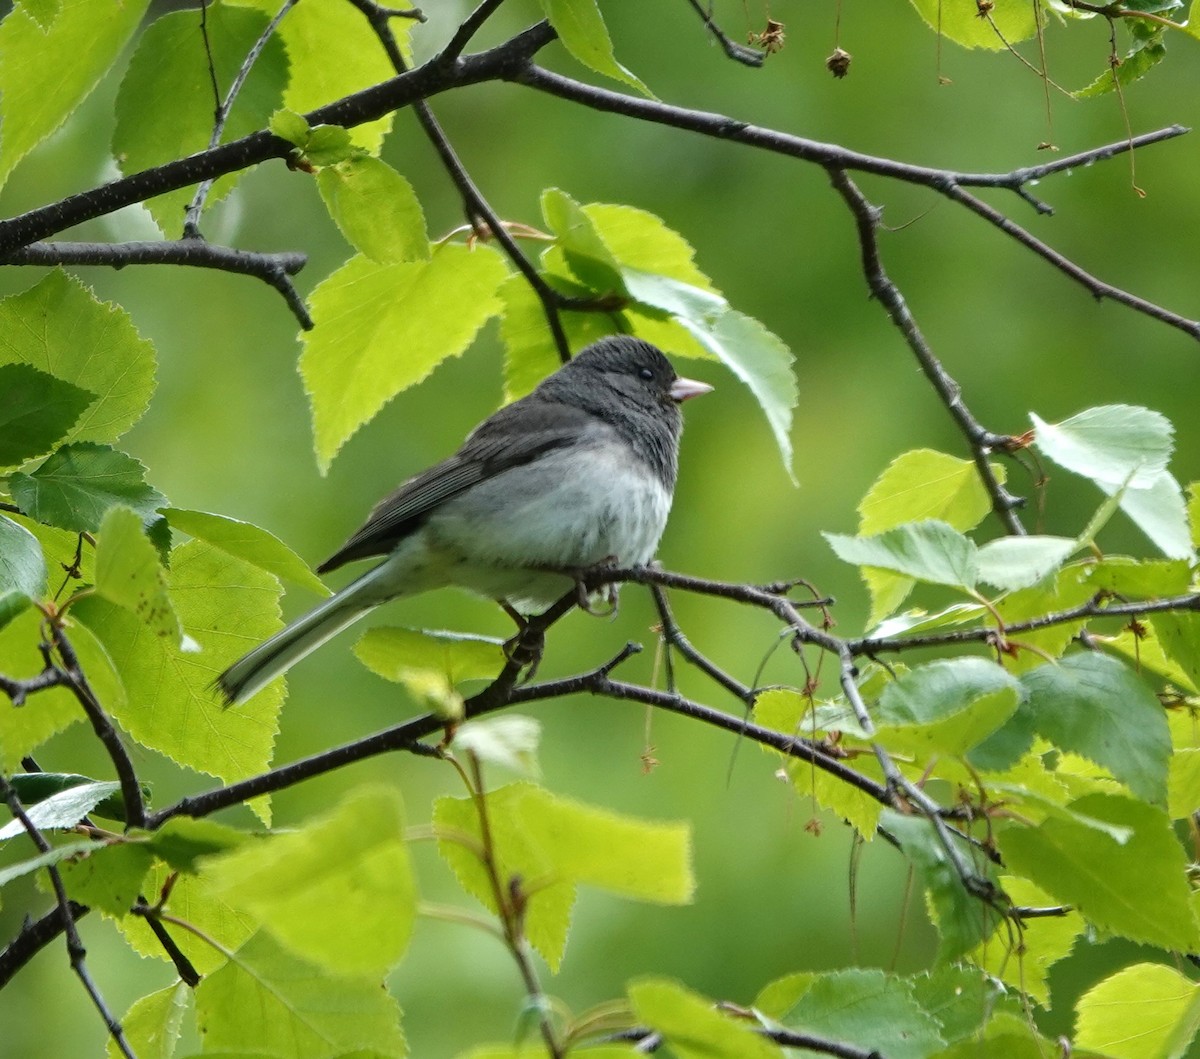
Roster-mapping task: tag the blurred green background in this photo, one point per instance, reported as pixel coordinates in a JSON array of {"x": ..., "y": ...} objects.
[{"x": 228, "y": 431}]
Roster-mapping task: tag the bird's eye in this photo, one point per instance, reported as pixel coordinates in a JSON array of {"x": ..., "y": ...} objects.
[{"x": 646, "y": 373}]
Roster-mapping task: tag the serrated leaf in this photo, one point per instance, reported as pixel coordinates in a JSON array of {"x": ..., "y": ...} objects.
[
  {"x": 108, "y": 879},
  {"x": 1144, "y": 1010},
  {"x": 1179, "y": 638},
  {"x": 963, "y": 920},
  {"x": 165, "y": 105},
  {"x": 1007, "y": 20},
  {"x": 1010, "y": 563},
  {"x": 1159, "y": 512},
  {"x": 1134, "y": 65},
  {"x": 129, "y": 575},
  {"x": 376, "y": 209},
  {"x": 59, "y": 327},
  {"x": 319, "y": 890},
  {"x": 290, "y": 126},
  {"x": 22, "y": 570},
  {"x": 529, "y": 351},
  {"x": 1106, "y": 880},
  {"x": 225, "y": 606},
  {"x": 389, "y": 651},
  {"x": 1116, "y": 445},
  {"x": 868, "y": 1008},
  {"x": 927, "y": 551},
  {"x": 45, "y": 860},
  {"x": 510, "y": 741},
  {"x": 333, "y": 52},
  {"x": 34, "y": 787},
  {"x": 692, "y": 1025},
  {"x": 383, "y": 328},
  {"x": 244, "y": 540},
  {"x": 154, "y": 1023},
  {"x": 581, "y": 28},
  {"x": 78, "y": 484},
  {"x": 62, "y": 810},
  {"x": 962, "y": 999},
  {"x": 264, "y": 999},
  {"x": 585, "y": 251},
  {"x": 36, "y": 411},
  {"x": 46, "y": 71},
  {"x": 1093, "y": 705}
]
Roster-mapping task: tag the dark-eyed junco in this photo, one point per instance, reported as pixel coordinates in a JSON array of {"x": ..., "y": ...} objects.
[{"x": 580, "y": 471}]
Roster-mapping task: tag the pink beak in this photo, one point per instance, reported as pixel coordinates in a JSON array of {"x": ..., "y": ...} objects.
[{"x": 684, "y": 389}]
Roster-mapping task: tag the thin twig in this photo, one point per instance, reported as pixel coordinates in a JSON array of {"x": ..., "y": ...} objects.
[
  {"x": 469, "y": 27},
  {"x": 273, "y": 269},
  {"x": 739, "y": 53}
]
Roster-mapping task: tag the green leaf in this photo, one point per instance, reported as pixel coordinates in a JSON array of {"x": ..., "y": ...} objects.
[
  {"x": 946, "y": 707},
  {"x": 581, "y": 28},
  {"x": 391, "y": 651},
  {"x": 643, "y": 241},
  {"x": 243, "y": 540},
  {"x": 34, "y": 787},
  {"x": 165, "y": 105},
  {"x": 1106, "y": 880},
  {"x": 1008, "y": 20},
  {"x": 693, "y": 1026},
  {"x": 529, "y": 351},
  {"x": 962, "y": 999},
  {"x": 59, "y": 327},
  {"x": 320, "y": 890},
  {"x": 1133, "y": 578},
  {"x": 225, "y": 606},
  {"x": 1009, "y": 1036},
  {"x": 128, "y": 573},
  {"x": 586, "y": 252},
  {"x": 927, "y": 551},
  {"x": 1093, "y": 705},
  {"x": 332, "y": 52},
  {"x": 1010, "y": 563},
  {"x": 560, "y": 843},
  {"x": 510, "y": 741},
  {"x": 1144, "y": 1010},
  {"x": 109, "y": 879},
  {"x": 1114, "y": 445},
  {"x": 46, "y": 71},
  {"x": 376, "y": 210},
  {"x": 1159, "y": 512},
  {"x": 182, "y": 841},
  {"x": 61, "y": 810},
  {"x": 1179, "y": 638},
  {"x": 1183, "y": 783},
  {"x": 80, "y": 482},
  {"x": 36, "y": 411},
  {"x": 868, "y": 1008},
  {"x": 154, "y": 1023},
  {"x": 1139, "y": 61},
  {"x": 365, "y": 312},
  {"x": 266, "y": 1000},
  {"x": 290, "y": 126},
  {"x": 45, "y": 860},
  {"x": 962, "y": 920},
  {"x": 23, "y": 573}
]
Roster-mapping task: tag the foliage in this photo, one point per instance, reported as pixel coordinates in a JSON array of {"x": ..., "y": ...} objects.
[{"x": 1034, "y": 757}]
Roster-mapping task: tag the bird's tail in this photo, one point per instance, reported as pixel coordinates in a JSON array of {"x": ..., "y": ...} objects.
[{"x": 275, "y": 656}]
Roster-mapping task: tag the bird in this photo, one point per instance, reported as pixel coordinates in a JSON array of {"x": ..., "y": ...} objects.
[{"x": 579, "y": 472}]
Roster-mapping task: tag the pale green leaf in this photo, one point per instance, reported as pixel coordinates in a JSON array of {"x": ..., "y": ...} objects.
[
  {"x": 75, "y": 487},
  {"x": 924, "y": 484},
  {"x": 581, "y": 243},
  {"x": 37, "y": 410},
  {"x": 1159, "y": 512},
  {"x": 1134, "y": 65},
  {"x": 23, "y": 573},
  {"x": 246, "y": 541},
  {"x": 1115, "y": 445},
  {"x": 266, "y": 1000},
  {"x": 332, "y": 52},
  {"x": 45, "y": 860},
  {"x": 693, "y": 1026},
  {"x": 165, "y": 105},
  {"x": 1147, "y": 1009},
  {"x": 510, "y": 741},
  {"x": 581, "y": 28},
  {"x": 320, "y": 890},
  {"x": 154, "y": 1023},
  {"x": 376, "y": 209},
  {"x": 62, "y": 810},
  {"x": 183, "y": 841},
  {"x": 1106, "y": 880},
  {"x": 128, "y": 573},
  {"x": 959, "y": 21},
  {"x": 290, "y": 126},
  {"x": 640, "y": 239},
  {"x": 226, "y": 606},
  {"x": 59, "y": 327},
  {"x": 962, "y": 999},
  {"x": 108, "y": 879},
  {"x": 383, "y": 328},
  {"x": 868, "y": 1008},
  {"x": 46, "y": 71},
  {"x": 390, "y": 650},
  {"x": 927, "y": 551},
  {"x": 1093, "y": 705},
  {"x": 1183, "y": 783},
  {"x": 1010, "y": 563}
]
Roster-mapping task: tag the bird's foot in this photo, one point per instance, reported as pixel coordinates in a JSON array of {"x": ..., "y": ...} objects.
[{"x": 525, "y": 647}]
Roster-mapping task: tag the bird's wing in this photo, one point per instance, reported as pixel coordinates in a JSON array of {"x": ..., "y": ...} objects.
[{"x": 512, "y": 436}]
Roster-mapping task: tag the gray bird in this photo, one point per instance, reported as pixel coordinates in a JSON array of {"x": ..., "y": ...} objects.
[{"x": 578, "y": 472}]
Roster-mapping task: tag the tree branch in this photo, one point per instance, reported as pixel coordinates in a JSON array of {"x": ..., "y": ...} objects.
[{"x": 739, "y": 53}]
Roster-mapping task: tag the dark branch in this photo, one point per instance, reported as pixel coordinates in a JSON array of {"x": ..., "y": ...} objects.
[
  {"x": 470, "y": 26},
  {"x": 272, "y": 269},
  {"x": 739, "y": 53},
  {"x": 35, "y": 936}
]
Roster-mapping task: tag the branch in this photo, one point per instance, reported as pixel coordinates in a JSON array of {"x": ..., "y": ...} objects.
[
  {"x": 980, "y": 441},
  {"x": 739, "y": 53},
  {"x": 34, "y": 936},
  {"x": 470, "y": 26},
  {"x": 273, "y": 269},
  {"x": 497, "y": 63},
  {"x": 944, "y": 181}
]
